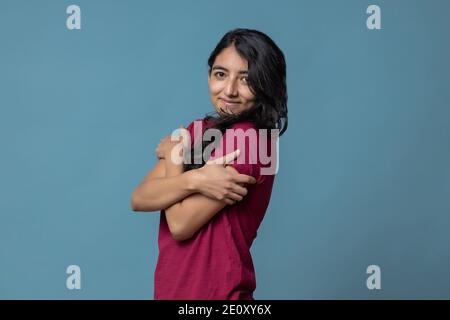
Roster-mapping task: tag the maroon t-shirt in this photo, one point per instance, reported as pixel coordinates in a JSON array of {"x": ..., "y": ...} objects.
[{"x": 216, "y": 264}]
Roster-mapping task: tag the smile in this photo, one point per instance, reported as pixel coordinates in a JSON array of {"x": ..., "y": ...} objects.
[{"x": 230, "y": 102}]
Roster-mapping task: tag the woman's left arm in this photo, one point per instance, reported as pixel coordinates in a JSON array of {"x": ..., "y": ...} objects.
[{"x": 187, "y": 216}]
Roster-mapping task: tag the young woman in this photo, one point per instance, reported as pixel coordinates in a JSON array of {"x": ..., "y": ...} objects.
[{"x": 211, "y": 209}]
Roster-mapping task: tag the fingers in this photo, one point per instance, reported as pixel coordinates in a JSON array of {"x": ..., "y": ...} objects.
[
  {"x": 226, "y": 159},
  {"x": 231, "y": 197},
  {"x": 240, "y": 178},
  {"x": 177, "y": 138},
  {"x": 231, "y": 156},
  {"x": 243, "y": 178},
  {"x": 229, "y": 201},
  {"x": 240, "y": 190},
  {"x": 234, "y": 196},
  {"x": 180, "y": 135}
]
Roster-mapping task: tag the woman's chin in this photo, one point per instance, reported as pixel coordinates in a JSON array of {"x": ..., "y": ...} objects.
[{"x": 227, "y": 109}]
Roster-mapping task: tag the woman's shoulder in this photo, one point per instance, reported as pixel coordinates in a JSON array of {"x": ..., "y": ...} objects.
[
  {"x": 198, "y": 120},
  {"x": 239, "y": 128},
  {"x": 244, "y": 125},
  {"x": 197, "y": 123}
]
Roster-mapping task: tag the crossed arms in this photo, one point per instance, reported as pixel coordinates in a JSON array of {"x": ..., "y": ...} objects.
[{"x": 190, "y": 199}]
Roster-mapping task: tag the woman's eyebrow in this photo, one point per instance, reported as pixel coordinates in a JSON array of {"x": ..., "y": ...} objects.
[{"x": 218, "y": 67}]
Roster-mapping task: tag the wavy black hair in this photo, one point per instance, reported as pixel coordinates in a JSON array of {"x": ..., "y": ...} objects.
[{"x": 266, "y": 80}]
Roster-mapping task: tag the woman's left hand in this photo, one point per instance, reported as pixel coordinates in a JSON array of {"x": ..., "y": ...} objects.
[{"x": 164, "y": 147}]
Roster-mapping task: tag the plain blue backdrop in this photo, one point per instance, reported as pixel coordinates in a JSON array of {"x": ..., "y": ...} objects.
[{"x": 364, "y": 173}]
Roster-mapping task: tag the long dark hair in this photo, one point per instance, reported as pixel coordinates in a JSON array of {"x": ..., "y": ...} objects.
[{"x": 266, "y": 79}]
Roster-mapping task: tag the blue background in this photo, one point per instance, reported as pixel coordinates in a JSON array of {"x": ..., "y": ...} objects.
[{"x": 364, "y": 167}]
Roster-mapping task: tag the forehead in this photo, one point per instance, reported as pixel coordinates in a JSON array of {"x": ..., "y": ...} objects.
[{"x": 230, "y": 59}]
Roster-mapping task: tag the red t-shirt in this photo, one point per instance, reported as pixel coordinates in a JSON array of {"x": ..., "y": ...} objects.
[{"x": 216, "y": 264}]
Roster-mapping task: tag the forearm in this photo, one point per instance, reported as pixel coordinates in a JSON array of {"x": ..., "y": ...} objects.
[
  {"x": 172, "y": 169},
  {"x": 160, "y": 193},
  {"x": 186, "y": 217},
  {"x": 190, "y": 213},
  {"x": 175, "y": 216}
]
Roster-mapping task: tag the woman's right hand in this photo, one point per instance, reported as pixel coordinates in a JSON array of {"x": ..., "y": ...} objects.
[{"x": 218, "y": 181}]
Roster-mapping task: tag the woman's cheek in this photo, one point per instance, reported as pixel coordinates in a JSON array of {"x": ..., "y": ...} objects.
[
  {"x": 215, "y": 87},
  {"x": 248, "y": 94}
]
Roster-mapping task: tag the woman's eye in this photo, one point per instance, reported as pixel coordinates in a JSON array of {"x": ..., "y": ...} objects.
[
  {"x": 245, "y": 80},
  {"x": 220, "y": 74}
]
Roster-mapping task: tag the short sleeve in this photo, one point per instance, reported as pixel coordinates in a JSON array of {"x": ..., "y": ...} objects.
[
  {"x": 245, "y": 137},
  {"x": 195, "y": 129}
]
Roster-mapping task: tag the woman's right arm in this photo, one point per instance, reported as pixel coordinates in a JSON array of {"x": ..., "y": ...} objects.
[{"x": 157, "y": 192}]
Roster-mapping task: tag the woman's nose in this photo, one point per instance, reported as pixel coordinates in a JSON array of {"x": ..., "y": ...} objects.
[{"x": 231, "y": 88}]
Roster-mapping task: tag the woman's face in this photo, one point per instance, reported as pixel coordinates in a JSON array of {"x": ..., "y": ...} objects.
[{"x": 228, "y": 82}]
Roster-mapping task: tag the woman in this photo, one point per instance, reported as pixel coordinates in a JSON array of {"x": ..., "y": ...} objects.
[{"x": 212, "y": 208}]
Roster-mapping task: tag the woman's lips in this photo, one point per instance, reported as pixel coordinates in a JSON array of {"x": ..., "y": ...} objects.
[{"x": 229, "y": 102}]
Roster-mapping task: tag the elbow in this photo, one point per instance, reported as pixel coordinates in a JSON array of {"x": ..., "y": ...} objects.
[
  {"x": 143, "y": 202},
  {"x": 178, "y": 230},
  {"x": 139, "y": 205},
  {"x": 178, "y": 233},
  {"x": 134, "y": 202},
  {"x": 181, "y": 236}
]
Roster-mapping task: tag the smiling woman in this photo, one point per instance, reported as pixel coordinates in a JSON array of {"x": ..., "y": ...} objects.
[
  {"x": 211, "y": 209},
  {"x": 228, "y": 83}
]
